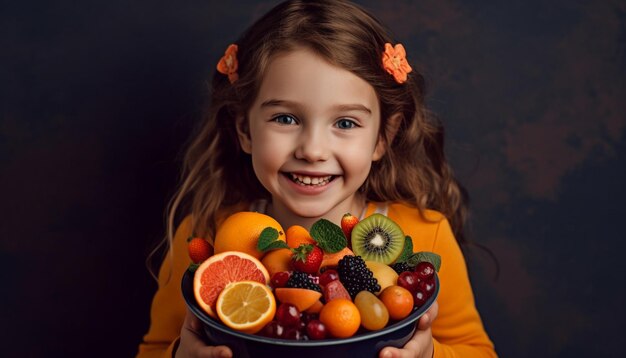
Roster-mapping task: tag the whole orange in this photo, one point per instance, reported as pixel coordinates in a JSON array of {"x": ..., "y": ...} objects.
[
  {"x": 277, "y": 261},
  {"x": 241, "y": 231},
  {"x": 341, "y": 317},
  {"x": 297, "y": 235},
  {"x": 398, "y": 300}
]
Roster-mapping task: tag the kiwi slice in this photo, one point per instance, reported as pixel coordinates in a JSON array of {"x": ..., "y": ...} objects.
[{"x": 377, "y": 238}]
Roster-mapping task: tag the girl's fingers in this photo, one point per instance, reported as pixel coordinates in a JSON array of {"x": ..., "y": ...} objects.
[
  {"x": 216, "y": 352},
  {"x": 192, "y": 341},
  {"x": 427, "y": 319},
  {"x": 420, "y": 345},
  {"x": 389, "y": 352},
  {"x": 193, "y": 323}
]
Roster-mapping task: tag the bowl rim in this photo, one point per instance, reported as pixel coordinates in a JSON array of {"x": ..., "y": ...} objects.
[{"x": 190, "y": 300}]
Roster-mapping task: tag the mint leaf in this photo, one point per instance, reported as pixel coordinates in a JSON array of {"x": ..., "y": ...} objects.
[
  {"x": 268, "y": 235},
  {"x": 268, "y": 240},
  {"x": 407, "y": 250},
  {"x": 427, "y": 256},
  {"x": 329, "y": 236},
  {"x": 278, "y": 244}
]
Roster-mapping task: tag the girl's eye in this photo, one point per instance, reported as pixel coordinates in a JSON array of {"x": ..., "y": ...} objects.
[
  {"x": 284, "y": 119},
  {"x": 345, "y": 123}
]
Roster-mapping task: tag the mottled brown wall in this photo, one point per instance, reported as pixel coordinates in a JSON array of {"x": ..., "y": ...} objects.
[{"x": 97, "y": 98}]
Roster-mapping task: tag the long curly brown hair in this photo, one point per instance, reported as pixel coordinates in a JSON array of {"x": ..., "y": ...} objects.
[{"x": 217, "y": 174}]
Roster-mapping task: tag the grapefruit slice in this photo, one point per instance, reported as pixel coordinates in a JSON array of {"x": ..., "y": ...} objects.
[
  {"x": 300, "y": 297},
  {"x": 219, "y": 270},
  {"x": 246, "y": 306}
]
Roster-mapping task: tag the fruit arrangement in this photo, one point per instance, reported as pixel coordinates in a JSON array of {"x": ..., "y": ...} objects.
[{"x": 330, "y": 282}]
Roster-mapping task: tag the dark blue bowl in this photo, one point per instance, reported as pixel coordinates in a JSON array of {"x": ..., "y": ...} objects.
[{"x": 362, "y": 344}]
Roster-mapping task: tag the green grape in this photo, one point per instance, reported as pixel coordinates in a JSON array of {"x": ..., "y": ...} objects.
[{"x": 374, "y": 314}]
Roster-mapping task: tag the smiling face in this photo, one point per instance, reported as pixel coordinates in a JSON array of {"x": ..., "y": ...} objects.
[{"x": 313, "y": 134}]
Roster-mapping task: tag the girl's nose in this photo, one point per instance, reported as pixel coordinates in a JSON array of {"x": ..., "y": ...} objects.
[{"x": 313, "y": 146}]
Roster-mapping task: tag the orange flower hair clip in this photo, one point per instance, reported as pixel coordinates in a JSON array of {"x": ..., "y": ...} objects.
[
  {"x": 394, "y": 62},
  {"x": 228, "y": 63}
]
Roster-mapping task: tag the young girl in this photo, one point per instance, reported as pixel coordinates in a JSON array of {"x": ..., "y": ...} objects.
[{"x": 314, "y": 113}]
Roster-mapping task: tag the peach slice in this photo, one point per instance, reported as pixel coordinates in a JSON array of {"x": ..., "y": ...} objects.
[
  {"x": 302, "y": 298},
  {"x": 315, "y": 308},
  {"x": 332, "y": 260}
]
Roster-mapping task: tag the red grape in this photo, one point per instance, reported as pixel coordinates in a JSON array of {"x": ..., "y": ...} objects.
[
  {"x": 293, "y": 334},
  {"x": 428, "y": 286},
  {"x": 408, "y": 280},
  {"x": 288, "y": 315},
  {"x": 419, "y": 298},
  {"x": 425, "y": 270},
  {"x": 328, "y": 276},
  {"x": 273, "y": 330},
  {"x": 307, "y": 317},
  {"x": 279, "y": 279},
  {"x": 316, "y": 330}
]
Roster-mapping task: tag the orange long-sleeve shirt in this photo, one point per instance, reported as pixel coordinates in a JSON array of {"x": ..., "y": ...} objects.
[{"x": 457, "y": 330}]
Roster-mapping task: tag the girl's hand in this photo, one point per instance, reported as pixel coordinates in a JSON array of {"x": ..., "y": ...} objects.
[
  {"x": 421, "y": 344},
  {"x": 192, "y": 341}
]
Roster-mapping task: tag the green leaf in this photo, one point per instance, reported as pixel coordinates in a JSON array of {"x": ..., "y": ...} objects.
[
  {"x": 329, "y": 236},
  {"x": 301, "y": 252},
  {"x": 407, "y": 250},
  {"x": 426, "y": 256},
  {"x": 193, "y": 267},
  {"x": 268, "y": 236},
  {"x": 278, "y": 244}
]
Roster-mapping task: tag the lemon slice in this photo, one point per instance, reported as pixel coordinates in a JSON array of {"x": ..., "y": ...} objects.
[{"x": 246, "y": 306}]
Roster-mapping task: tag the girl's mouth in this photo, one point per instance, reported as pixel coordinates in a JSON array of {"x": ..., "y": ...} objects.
[{"x": 306, "y": 180}]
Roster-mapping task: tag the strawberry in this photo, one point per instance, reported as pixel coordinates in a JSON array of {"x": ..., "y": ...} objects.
[
  {"x": 199, "y": 249},
  {"x": 347, "y": 224},
  {"x": 307, "y": 258}
]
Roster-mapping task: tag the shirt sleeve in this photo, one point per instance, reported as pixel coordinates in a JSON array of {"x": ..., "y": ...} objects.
[
  {"x": 458, "y": 330},
  {"x": 168, "y": 308}
]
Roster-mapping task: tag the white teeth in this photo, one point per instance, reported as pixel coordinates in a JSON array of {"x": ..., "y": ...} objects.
[{"x": 307, "y": 180}]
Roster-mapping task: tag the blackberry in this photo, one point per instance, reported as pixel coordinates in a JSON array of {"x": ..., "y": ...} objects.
[
  {"x": 355, "y": 275},
  {"x": 401, "y": 267},
  {"x": 302, "y": 280}
]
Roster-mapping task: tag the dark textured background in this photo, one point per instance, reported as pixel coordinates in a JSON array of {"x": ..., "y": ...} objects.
[{"x": 97, "y": 99}]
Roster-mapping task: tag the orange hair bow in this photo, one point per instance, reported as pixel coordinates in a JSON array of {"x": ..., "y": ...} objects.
[
  {"x": 394, "y": 62},
  {"x": 228, "y": 63}
]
